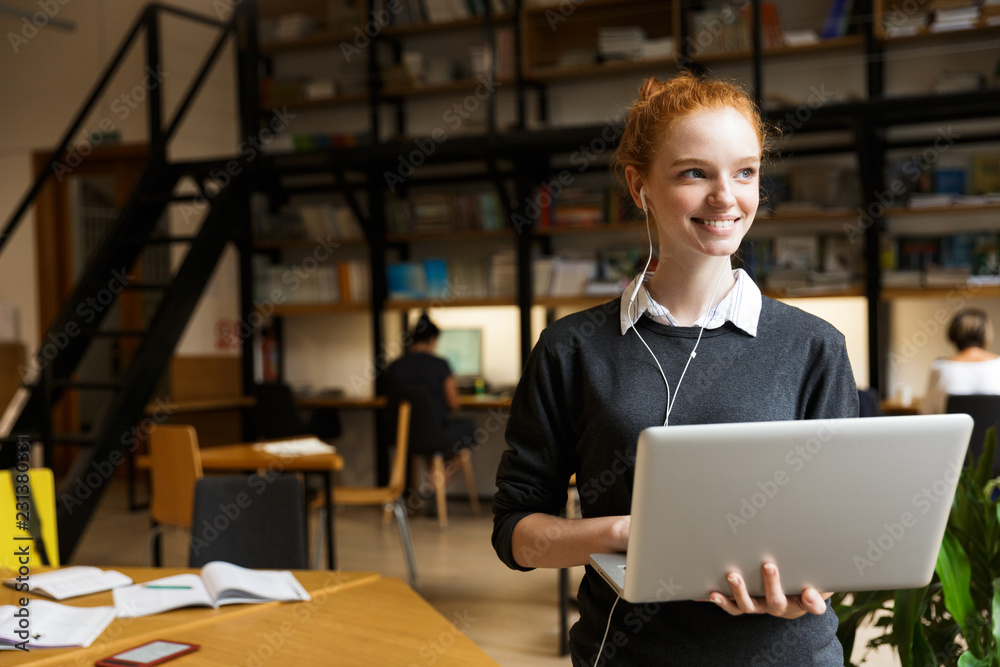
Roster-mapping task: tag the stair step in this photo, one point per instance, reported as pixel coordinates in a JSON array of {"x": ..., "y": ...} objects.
[
  {"x": 163, "y": 240},
  {"x": 78, "y": 384},
  {"x": 120, "y": 333},
  {"x": 86, "y": 439},
  {"x": 171, "y": 198}
]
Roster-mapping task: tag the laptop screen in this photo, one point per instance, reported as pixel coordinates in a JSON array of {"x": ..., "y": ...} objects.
[{"x": 463, "y": 348}]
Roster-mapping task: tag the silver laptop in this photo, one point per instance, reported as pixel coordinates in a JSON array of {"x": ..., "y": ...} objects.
[{"x": 837, "y": 504}]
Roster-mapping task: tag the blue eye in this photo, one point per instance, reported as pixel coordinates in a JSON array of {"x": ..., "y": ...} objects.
[
  {"x": 748, "y": 172},
  {"x": 693, "y": 173}
]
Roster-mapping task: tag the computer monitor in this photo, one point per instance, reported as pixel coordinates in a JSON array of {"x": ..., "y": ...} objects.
[{"x": 463, "y": 348}]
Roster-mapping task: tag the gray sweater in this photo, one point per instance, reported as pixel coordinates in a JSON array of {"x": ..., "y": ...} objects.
[{"x": 587, "y": 392}]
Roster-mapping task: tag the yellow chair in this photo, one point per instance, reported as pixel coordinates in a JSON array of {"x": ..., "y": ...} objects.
[
  {"x": 37, "y": 534},
  {"x": 175, "y": 467},
  {"x": 390, "y": 497}
]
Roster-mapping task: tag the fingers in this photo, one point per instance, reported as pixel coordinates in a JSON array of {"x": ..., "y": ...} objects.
[
  {"x": 812, "y": 602},
  {"x": 774, "y": 601}
]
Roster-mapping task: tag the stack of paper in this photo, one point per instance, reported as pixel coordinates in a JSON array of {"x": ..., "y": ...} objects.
[
  {"x": 52, "y": 625},
  {"x": 69, "y": 582}
]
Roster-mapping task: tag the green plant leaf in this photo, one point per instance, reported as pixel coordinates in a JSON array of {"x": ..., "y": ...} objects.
[
  {"x": 995, "y": 620},
  {"x": 906, "y": 626},
  {"x": 969, "y": 660},
  {"x": 956, "y": 576},
  {"x": 984, "y": 467}
]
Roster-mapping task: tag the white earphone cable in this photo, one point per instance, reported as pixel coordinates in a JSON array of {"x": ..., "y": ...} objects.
[{"x": 634, "y": 318}]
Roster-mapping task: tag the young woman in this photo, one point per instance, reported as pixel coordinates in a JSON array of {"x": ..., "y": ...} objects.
[
  {"x": 972, "y": 370},
  {"x": 690, "y": 155}
]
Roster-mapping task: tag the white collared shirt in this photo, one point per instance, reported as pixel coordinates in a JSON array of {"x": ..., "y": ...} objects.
[{"x": 741, "y": 306}]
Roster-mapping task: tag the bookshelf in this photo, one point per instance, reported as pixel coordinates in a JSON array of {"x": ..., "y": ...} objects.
[{"x": 853, "y": 128}]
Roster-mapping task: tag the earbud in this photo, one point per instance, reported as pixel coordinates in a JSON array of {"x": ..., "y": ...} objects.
[{"x": 642, "y": 198}]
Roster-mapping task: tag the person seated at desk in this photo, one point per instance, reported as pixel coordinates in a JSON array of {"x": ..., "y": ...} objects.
[
  {"x": 421, "y": 367},
  {"x": 973, "y": 370}
]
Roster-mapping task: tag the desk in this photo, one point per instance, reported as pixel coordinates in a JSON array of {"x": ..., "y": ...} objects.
[
  {"x": 473, "y": 401},
  {"x": 250, "y": 457},
  {"x": 892, "y": 406},
  {"x": 467, "y": 401},
  {"x": 354, "y": 618}
]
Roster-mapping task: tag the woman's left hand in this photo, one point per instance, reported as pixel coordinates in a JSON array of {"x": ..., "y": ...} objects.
[{"x": 774, "y": 602}]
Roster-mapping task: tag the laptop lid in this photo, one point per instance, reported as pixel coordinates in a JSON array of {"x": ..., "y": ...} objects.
[{"x": 838, "y": 504}]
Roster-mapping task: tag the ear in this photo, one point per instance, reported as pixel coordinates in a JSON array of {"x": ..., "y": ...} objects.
[{"x": 635, "y": 186}]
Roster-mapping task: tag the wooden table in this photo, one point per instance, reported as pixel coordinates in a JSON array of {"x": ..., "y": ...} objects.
[
  {"x": 382, "y": 463},
  {"x": 354, "y": 618},
  {"x": 250, "y": 457}
]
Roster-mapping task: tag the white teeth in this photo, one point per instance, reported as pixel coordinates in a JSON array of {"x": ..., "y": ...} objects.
[{"x": 718, "y": 223}]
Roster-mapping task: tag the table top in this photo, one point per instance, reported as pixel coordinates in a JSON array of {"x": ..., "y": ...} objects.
[
  {"x": 250, "y": 456},
  {"x": 359, "y": 617},
  {"x": 359, "y": 403}
]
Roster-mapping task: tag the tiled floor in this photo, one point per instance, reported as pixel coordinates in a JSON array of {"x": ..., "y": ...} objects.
[{"x": 512, "y": 616}]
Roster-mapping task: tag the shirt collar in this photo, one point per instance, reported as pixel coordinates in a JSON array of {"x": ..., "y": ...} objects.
[{"x": 741, "y": 306}]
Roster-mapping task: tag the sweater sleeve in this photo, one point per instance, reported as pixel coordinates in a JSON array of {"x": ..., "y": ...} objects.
[
  {"x": 832, "y": 391},
  {"x": 533, "y": 475}
]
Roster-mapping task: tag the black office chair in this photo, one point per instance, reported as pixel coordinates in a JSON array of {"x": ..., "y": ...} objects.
[
  {"x": 868, "y": 405},
  {"x": 433, "y": 441},
  {"x": 251, "y": 522},
  {"x": 985, "y": 412},
  {"x": 278, "y": 416}
]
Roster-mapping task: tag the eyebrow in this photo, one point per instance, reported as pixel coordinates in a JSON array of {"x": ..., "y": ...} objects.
[{"x": 699, "y": 161}]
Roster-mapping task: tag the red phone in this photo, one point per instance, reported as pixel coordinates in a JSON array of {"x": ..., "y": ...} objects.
[{"x": 149, "y": 654}]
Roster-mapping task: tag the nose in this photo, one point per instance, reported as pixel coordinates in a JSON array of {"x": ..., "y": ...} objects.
[{"x": 722, "y": 194}]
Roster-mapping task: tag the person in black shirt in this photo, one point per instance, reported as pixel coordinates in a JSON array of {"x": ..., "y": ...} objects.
[{"x": 421, "y": 367}]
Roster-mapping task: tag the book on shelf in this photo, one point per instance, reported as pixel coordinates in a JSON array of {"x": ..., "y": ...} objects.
[
  {"x": 52, "y": 625},
  {"x": 570, "y": 275},
  {"x": 902, "y": 278},
  {"x": 218, "y": 583},
  {"x": 837, "y": 19},
  {"x": 947, "y": 276},
  {"x": 70, "y": 582},
  {"x": 406, "y": 280},
  {"x": 984, "y": 173},
  {"x": 800, "y": 252},
  {"x": 503, "y": 274},
  {"x": 443, "y": 212}
]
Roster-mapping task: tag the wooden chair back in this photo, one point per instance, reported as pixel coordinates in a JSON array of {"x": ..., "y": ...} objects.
[
  {"x": 175, "y": 467},
  {"x": 397, "y": 474}
]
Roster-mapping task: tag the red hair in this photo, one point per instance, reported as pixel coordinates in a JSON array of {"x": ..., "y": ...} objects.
[{"x": 662, "y": 103}]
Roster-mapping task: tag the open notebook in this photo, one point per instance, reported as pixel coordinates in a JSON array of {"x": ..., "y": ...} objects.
[{"x": 219, "y": 584}]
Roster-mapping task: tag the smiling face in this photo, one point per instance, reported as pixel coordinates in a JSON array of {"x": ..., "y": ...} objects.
[{"x": 703, "y": 185}]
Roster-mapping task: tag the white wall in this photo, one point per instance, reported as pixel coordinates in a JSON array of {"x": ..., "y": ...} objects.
[{"x": 44, "y": 83}]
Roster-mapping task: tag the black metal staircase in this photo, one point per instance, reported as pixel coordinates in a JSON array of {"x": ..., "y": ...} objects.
[{"x": 114, "y": 270}]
